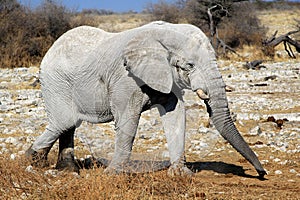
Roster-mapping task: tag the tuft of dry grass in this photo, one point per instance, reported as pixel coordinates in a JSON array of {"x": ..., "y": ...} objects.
[{"x": 18, "y": 181}]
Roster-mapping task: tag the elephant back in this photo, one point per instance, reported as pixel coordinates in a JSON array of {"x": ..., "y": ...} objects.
[{"x": 73, "y": 47}]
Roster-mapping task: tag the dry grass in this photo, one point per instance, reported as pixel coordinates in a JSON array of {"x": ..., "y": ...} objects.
[
  {"x": 228, "y": 183},
  {"x": 283, "y": 21}
]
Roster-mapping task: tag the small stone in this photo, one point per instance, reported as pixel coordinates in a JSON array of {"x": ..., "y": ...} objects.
[
  {"x": 276, "y": 160},
  {"x": 255, "y": 131},
  {"x": 3, "y": 108},
  {"x": 29, "y": 169},
  {"x": 51, "y": 172},
  {"x": 264, "y": 161},
  {"x": 11, "y": 140},
  {"x": 272, "y": 77},
  {"x": 293, "y": 171},
  {"x": 283, "y": 162},
  {"x": 29, "y": 131},
  {"x": 278, "y": 172},
  {"x": 12, "y": 156}
]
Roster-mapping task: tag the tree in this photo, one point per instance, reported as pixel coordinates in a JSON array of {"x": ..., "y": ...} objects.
[
  {"x": 219, "y": 19},
  {"x": 9, "y": 5}
]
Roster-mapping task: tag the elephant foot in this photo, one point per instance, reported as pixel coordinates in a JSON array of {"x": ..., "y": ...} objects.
[
  {"x": 67, "y": 165},
  {"x": 179, "y": 170},
  {"x": 66, "y": 161},
  {"x": 38, "y": 158}
]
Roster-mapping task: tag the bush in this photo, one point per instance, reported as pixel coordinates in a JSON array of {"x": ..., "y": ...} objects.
[
  {"x": 236, "y": 32},
  {"x": 164, "y": 11},
  {"x": 226, "y": 16},
  {"x": 26, "y": 35}
]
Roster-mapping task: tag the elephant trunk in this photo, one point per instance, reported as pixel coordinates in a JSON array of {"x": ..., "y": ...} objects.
[{"x": 217, "y": 107}]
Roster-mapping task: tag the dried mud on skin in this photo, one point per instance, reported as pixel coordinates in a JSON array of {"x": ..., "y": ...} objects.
[{"x": 265, "y": 104}]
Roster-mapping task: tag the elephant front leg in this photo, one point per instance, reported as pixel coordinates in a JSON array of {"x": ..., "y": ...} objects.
[
  {"x": 126, "y": 126},
  {"x": 173, "y": 119},
  {"x": 38, "y": 151},
  {"x": 123, "y": 147}
]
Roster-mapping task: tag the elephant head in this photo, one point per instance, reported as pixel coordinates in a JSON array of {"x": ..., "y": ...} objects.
[{"x": 163, "y": 55}]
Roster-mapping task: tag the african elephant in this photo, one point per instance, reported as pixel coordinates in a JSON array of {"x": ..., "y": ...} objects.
[{"x": 92, "y": 75}]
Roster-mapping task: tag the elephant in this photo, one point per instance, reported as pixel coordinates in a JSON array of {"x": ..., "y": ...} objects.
[{"x": 92, "y": 75}]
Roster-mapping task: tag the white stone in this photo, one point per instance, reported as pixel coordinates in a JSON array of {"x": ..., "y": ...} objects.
[
  {"x": 264, "y": 161},
  {"x": 11, "y": 140},
  {"x": 29, "y": 169},
  {"x": 276, "y": 160},
  {"x": 12, "y": 156},
  {"x": 278, "y": 172},
  {"x": 51, "y": 172},
  {"x": 29, "y": 131},
  {"x": 255, "y": 131}
]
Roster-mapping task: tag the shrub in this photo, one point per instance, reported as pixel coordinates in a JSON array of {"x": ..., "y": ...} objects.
[
  {"x": 26, "y": 35},
  {"x": 164, "y": 11},
  {"x": 236, "y": 32},
  {"x": 227, "y": 17}
]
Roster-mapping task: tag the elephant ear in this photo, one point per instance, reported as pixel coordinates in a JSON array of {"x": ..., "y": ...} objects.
[{"x": 147, "y": 59}]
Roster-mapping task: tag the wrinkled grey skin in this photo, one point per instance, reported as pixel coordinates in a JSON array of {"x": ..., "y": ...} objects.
[{"x": 95, "y": 76}]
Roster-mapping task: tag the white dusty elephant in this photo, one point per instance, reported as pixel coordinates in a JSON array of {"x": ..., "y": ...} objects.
[{"x": 92, "y": 75}]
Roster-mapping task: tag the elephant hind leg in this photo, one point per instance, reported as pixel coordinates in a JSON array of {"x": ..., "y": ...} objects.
[
  {"x": 66, "y": 159},
  {"x": 38, "y": 151},
  {"x": 38, "y": 158}
]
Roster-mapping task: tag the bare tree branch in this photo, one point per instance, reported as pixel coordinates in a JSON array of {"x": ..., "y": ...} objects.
[
  {"x": 211, "y": 22},
  {"x": 214, "y": 31},
  {"x": 287, "y": 41}
]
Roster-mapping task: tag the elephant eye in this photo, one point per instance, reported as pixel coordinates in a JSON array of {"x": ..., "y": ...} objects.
[{"x": 190, "y": 65}]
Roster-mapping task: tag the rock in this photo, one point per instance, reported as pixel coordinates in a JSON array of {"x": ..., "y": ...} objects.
[
  {"x": 272, "y": 77},
  {"x": 278, "y": 172},
  {"x": 276, "y": 160},
  {"x": 255, "y": 131},
  {"x": 3, "y": 108},
  {"x": 30, "y": 169},
  {"x": 29, "y": 131},
  {"x": 11, "y": 140},
  {"x": 12, "y": 156},
  {"x": 51, "y": 172}
]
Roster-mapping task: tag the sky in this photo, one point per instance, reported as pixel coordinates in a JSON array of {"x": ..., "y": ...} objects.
[{"x": 112, "y": 5}]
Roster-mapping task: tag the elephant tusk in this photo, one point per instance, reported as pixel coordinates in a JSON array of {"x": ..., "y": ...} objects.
[{"x": 201, "y": 94}]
